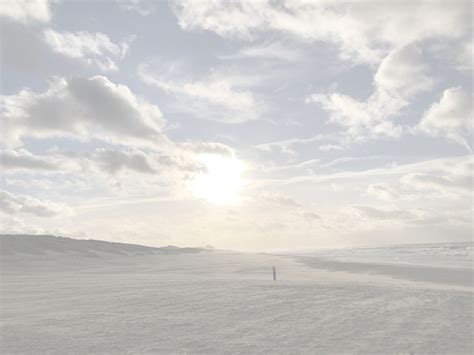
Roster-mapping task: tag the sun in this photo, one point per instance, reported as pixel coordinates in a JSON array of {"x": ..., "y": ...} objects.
[{"x": 220, "y": 184}]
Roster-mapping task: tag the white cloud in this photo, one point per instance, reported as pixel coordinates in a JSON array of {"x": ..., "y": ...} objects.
[
  {"x": 329, "y": 147},
  {"x": 268, "y": 50},
  {"x": 385, "y": 213},
  {"x": 451, "y": 178},
  {"x": 118, "y": 171},
  {"x": 309, "y": 216},
  {"x": 278, "y": 199},
  {"x": 404, "y": 72},
  {"x": 85, "y": 108},
  {"x": 400, "y": 77},
  {"x": 91, "y": 48},
  {"x": 141, "y": 7},
  {"x": 461, "y": 166},
  {"x": 216, "y": 96},
  {"x": 23, "y": 160},
  {"x": 465, "y": 58},
  {"x": 444, "y": 183},
  {"x": 362, "y": 119},
  {"x": 21, "y": 204},
  {"x": 199, "y": 147},
  {"x": 286, "y": 145},
  {"x": 382, "y": 191},
  {"x": 113, "y": 161},
  {"x": 237, "y": 19},
  {"x": 376, "y": 217},
  {"x": 26, "y": 11},
  {"x": 451, "y": 116},
  {"x": 363, "y": 30}
]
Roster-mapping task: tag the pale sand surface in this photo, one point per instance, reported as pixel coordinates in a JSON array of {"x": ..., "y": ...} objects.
[{"x": 226, "y": 302}]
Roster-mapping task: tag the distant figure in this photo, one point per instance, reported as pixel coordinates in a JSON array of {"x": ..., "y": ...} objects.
[{"x": 274, "y": 273}]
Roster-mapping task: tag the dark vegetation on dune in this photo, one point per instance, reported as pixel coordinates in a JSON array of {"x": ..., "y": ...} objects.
[{"x": 48, "y": 244}]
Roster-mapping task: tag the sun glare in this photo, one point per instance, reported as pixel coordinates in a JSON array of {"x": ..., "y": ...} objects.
[{"x": 221, "y": 182}]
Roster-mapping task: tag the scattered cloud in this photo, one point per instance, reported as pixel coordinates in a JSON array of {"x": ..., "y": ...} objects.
[
  {"x": 400, "y": 76},
  {"x": 308, "y": 215},
  {"x": 141, "y": 7},
  {"x": 113, "y": 161},
  {"x": 26, "y": 11},
  {"x": 268, "y": 50},
  {"x": 21, "y": 204},
  {"x": 362, "y": 119},
  {"x": 286, "y": 145},
  {"x": 451, "y": 116},
  {"x": 91, "y": 48},
  {"x": 385, "y": 213},
  {"x": 23, "y": 160},
  {"x": 461, "y": 166},
  {"x": 382, "y": 191},
  {"x": 85, "y": 108},
  {"x": 465, "y": 58},
  {"x": 371, "y": 67},
  {"x": 278, "y": 199},
  {"x": 364, "y": 31},
  {"x": 217, "y": 96},
  {"x": 459, "y": 182},
  {"x": 200, "y": 147},
  {"x": 404, "y": 72},
  {"x": 329, "y": 147}
]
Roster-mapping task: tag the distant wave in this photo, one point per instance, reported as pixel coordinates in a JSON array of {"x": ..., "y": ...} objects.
[{"x": 455, "y": 254}]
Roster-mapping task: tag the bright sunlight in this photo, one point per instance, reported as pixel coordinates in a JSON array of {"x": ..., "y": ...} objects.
[{"x": 221, "y": 182}]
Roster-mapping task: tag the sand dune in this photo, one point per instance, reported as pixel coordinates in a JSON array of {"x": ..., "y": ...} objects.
[{"x": 47, "y": 244}]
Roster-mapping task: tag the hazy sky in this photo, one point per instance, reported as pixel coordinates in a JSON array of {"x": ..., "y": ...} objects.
[{"x": 245, "y": 125}]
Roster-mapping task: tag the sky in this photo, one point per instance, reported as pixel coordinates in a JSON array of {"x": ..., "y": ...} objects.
[{"x": 245, "y": 125}]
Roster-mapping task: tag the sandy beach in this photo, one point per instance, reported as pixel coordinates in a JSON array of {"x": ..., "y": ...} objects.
[{"x": 226, "y": 302}]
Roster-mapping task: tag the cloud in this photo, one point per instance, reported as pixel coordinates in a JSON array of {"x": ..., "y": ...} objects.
[
  {"x": 382, "y": 191},
  {"x": 364, "y": 31},
  {"x": 404, "y": 72},
  {"x": 451, "y": 116},
  {"x": 141, "y": 7},
  {"x": 241, "y": 17},
  {"x": 373, "y": 217},
  {"x": 400, "y": 77},
  {"x": 114, "y": 161},
  {"x": 465, "y": 57},
  {"x": 286, "y": 145},
  {"x": 457, "y": 182},
  {"x": 329, "y": 147},
  {"x": 199, "y": 147},
  {"x": 386, "y": 213},
  {"x": 112, "y": 171},
  {"x": 268, "y": 50},
  {"x": 283, "y": 207},
  {"x": 91, "y": 48},
  {"x": 278, "y": 199},
  {"x": 216, "y": 96},
  {"x": 436, "y": 180},
  {"x": 21, "y": 204},
  {"x": 43, "y": 50},
  {"x": 460, "y": 166},
  {"x": 31, "y": 57},
  {"x": 84, "y": 108},
  {"x": 23, "y": 160},
  {"x": 26, "y": 11},
  {"x": 310, "y": 216},
  {"x": 362, "y": 119}
]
